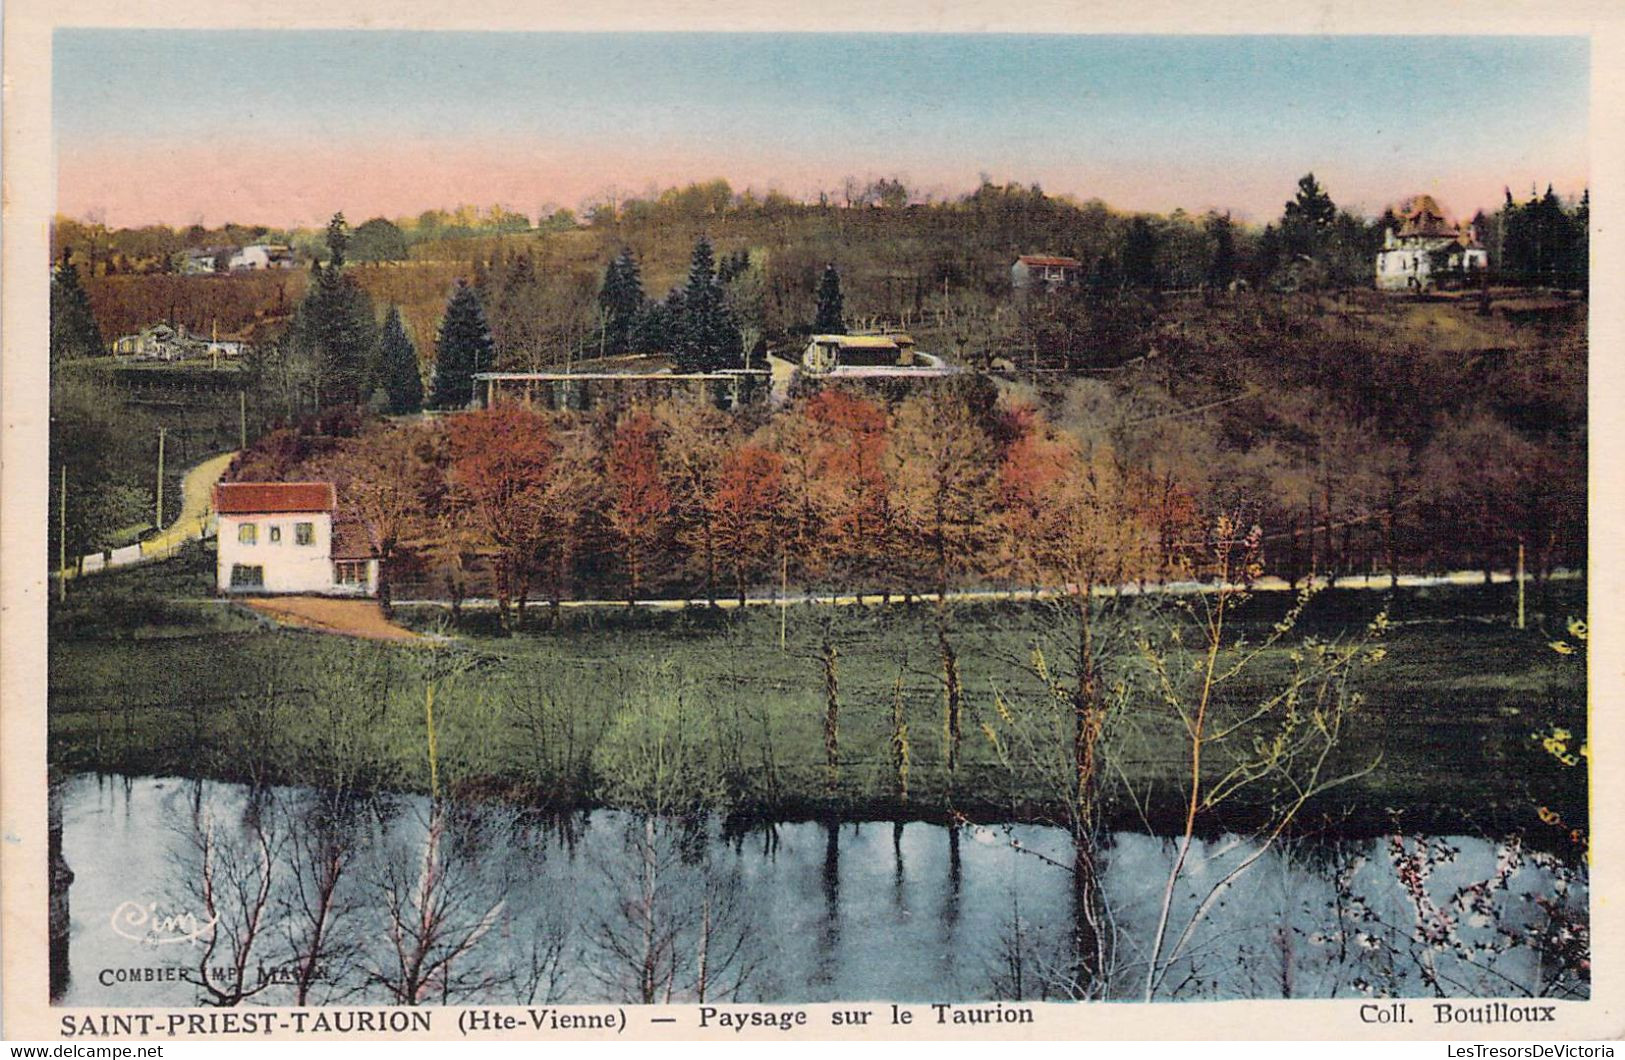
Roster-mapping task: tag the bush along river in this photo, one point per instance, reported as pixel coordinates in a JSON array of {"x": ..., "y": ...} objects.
[{"x": 181, "y": 892}]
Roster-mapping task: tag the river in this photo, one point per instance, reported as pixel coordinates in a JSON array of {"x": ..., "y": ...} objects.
[{"x": 494, "y": 904}]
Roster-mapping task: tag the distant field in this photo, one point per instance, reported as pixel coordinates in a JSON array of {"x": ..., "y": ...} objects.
[{"x": 150, "y": 677}]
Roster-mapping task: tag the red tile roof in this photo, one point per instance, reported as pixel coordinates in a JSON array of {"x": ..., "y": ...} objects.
[
  {"x": 257, "y": 498},
  {"x": 1051, "y": 262}
]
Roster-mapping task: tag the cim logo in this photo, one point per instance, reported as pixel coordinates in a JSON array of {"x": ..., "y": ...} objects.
[{"x": 147, "y": 925}]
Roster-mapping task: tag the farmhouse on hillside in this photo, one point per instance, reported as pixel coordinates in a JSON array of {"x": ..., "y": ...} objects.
[
  {"x": 1427, "y": 251},
  {"x": 285, "y": 537},
  {"x": 166, "y": 342},
  {"x": 262, "y": 256},
  {"x": 1044, "y": 270}
]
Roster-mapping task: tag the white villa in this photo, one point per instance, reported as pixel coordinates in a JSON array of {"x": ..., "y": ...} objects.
[
  {"x": 283, "y": 537},
  {"x": 1427, "y": 249}
]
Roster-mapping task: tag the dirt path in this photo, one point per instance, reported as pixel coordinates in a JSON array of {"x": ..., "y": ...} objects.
[
  {"x": 192, "y": 524},
  {"x": 197, "y": 504},
  {"x": 349, "y": 618}
]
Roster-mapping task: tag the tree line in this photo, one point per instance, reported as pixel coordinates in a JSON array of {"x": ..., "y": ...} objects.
[{"x": 956, "y": 486}]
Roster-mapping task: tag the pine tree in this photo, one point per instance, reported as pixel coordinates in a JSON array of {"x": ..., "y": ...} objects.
[
  {"x": 830, "y": 319},
  {"x": 464, "y": 349},
  {"x": 337, "y": 329},
  {"x": 1222, "y": 269},
  {"x": 1307, "y": 217},
  {"x": 74, "y": 332},
  {"x": 1140, "y": 255},
  {"x": 1268, "y": 258},
  {"x": 622, "y": 301},
  {"x": 398, "y": 366},
  {"x": 338, "y": 239},
  {"x": 706, "y": 338}
]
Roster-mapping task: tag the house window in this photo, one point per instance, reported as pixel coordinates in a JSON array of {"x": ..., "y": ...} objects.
[
  {"x": 247, "y": 534},
  {"x": 350, "y": 572},
  {"x": 246, "y": 577},
  {"x": 276, "y": 535},
  {"x": 304, "y": 533}
]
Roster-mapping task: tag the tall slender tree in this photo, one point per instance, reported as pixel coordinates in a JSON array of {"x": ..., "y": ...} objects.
[
  {"x": 74, "y": 332},
  {"x": 1222, "y": 268},
  {"x": 706, "y": 338},
  {"x": 830, "y": 319},
  {"x": 463, "y": 350},
  {"x": 621, "y": 300},
  {"x": 398, "y": 372},
  {"x": 1140, "y": 255},
  {"x": 1307, "y": 217},
  {"x": 335, "y": 326}
]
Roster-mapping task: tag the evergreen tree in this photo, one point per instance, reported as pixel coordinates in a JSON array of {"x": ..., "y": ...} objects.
[
  {"x": 1307, "y": 217},
  {"x": 398, "y": 373},
  {"x": 621, "y": 299},
  {"x": 335, "y": 327},
  {"x": 74, "y": 332},
  {"x": 338, "y": 239},
  {"x": 464, "y": 348},
  {"x": 1140, "y": 255},
  {"x": 706, "y": 338},
  {"x": 1579, "y": 270},
  {"x": 1222, "y": 268},
  {"x": 830, "y": 319},
  {"x": 1269, "y": 254}
]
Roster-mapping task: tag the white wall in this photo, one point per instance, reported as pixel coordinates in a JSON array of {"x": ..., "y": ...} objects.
[{"x": 289, "y": 566}]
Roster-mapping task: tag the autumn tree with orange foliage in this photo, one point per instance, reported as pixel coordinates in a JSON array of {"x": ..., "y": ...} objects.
[
  {"x": 640, "y": 502},
  {"x": 1075, "y": 521},
  {"x": 387, "y": 480},
  {"x": 691, "y": 458},
  {"x": 573, "y": 493},
  {"x": 501, "y": 462},
  {"x": 747, "y": 510},
  {"x": 941, "y": 462},
  {"x": 851, "y": 488}
]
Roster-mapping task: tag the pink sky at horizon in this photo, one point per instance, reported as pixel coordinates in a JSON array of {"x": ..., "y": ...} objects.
[{"x": 293, "y": 186}]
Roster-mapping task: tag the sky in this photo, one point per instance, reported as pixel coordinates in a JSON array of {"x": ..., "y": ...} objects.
[{"x": 282, "y": 128}]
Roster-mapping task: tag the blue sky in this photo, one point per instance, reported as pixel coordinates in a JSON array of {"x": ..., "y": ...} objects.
[{"x": 1143, "y": 122}]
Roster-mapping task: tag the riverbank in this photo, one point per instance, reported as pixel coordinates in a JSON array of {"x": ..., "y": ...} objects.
[{"x": 1449, "y": 726}]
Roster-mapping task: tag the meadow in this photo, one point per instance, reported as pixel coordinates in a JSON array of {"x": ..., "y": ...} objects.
[{"x": 1449, "y": 732}]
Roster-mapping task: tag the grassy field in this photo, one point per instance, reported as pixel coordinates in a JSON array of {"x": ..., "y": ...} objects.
[{"x": 150, "y": 676}]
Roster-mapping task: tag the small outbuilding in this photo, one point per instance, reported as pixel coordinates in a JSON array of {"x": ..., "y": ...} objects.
[
  {"x": 287, "y": 537},
  {"x": 1044, "y": 270}
]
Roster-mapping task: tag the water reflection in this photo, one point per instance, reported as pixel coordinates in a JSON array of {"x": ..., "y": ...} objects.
[{"x": 390, "y": 900}]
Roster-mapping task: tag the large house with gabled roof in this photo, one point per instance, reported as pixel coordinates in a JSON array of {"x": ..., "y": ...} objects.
[{"x": 1425, "y": 249}]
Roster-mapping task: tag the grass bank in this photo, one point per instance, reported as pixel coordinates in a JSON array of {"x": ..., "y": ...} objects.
[{"x": 150, "y": 677}]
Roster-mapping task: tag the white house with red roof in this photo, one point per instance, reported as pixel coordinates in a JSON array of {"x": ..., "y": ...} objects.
[
  {"x": 1427, "y": 249},
  {"x": 287, "y": 537}
]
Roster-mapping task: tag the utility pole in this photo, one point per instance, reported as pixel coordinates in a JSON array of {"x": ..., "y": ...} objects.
[
  {"x": 62, "y": 539},
  {"x": 159, "y": 520},
  {"x": 242, "y": 419},
  {"x": 1520, "y": 585},
  {"x": 784, "y": 599}
]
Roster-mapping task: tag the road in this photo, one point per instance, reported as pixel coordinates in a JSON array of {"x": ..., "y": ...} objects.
[
  {"x": 1376, "y": 581},
  {"x": 192, "y": 524}
]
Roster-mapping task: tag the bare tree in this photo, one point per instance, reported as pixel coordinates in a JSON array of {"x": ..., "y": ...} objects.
[
  {"x": 1277, "y": 744},
  {"x": 230, "y": 874},
  {"x": 435, "y": 915}
]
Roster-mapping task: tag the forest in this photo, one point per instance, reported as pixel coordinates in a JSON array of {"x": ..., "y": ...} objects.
[{"x": 1237, "y": 366}]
